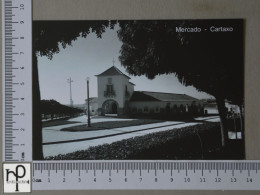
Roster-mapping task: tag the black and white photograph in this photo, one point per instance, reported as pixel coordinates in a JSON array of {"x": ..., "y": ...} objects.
[{"x": 138, "y": 90}]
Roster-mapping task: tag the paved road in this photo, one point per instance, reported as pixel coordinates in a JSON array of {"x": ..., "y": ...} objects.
[{"x": 61, "y": 142}]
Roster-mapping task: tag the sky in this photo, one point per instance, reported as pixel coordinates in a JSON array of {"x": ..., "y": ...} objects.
[{"x": 91, "y": 56}]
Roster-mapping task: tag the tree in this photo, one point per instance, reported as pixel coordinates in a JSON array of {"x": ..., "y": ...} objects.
[
  {"x": 47, "y": 36},
  {"x": 212, "y": 62}
]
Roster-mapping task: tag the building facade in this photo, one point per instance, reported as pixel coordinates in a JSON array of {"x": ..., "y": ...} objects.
[
  {"x": 116, "y": 95},
  {"x": 145, "y": 102},
  {"x": 114, "y": 91},
  {"x": 211, "y": 108}
]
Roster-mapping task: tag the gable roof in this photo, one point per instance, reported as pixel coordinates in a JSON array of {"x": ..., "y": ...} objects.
[
  {"x": 159, "y": 96},
  {"x": 112, "y": 71},
  {"x": 140, "y": 96}
]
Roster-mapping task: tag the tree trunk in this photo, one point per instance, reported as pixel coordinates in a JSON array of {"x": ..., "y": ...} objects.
[
  {"x": 241, "y": 120},
  {"x": 222, "y": 114},
  {"x": 235, "y": 126},
  {"x": 242, "y": 128},
  {"x": 37, "y": 123}
]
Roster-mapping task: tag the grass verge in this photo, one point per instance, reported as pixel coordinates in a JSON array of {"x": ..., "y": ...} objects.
[
  {"x": 111, "y": 125},
  {"x": 57, "y": 123}
]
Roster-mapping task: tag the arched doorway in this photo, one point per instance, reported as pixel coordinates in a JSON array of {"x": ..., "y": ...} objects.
[
  {"x": 168, "y": 108},
  {"x": 114, "y": 108},
  {"x": 182, "y": 109},
  {"x": 110, "y": 107},
  {"x": 175, "y": 109}
]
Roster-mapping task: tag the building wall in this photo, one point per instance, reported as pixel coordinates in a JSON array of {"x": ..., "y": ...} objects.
[
  {"x": 160, "y": 106},
  {"x": 210, "y": 109},
  {"x": 213, "y": 108},
  {"x": 129, "y": 93},
  {"x": 93, "y": 107},
  {"x": 130, "y": 89}
]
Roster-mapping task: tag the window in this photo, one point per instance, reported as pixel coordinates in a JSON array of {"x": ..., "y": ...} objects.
[
  {"x": 187, "y": 108},
  {"x": 175, "y": 108},
  {"x": 109, "y": 91},
  {"x": 181, "y": 108},
  {"x": 145, "y": 109},
  {"x": 109, "y": 88},
  {"x": 167, "y": 108},
  {"x": 199, "y": 108},
  {"x": 109, "y": 81},
  {"x": 127, "y": 93},
  {"x": 134, "y": 110}
]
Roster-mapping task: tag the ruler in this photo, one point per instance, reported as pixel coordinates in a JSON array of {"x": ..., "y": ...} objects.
[
  {"x": 207, "y": 175},
  {"x": 17, "y": 80}
]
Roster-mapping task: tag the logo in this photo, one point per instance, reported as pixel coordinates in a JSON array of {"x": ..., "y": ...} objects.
[{"x": 17, "y": 177}]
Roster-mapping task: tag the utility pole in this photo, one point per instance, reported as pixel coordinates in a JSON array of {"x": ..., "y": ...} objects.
[
  {"x": 87, "y": 79},
  {"x": 70, "y": 81}
]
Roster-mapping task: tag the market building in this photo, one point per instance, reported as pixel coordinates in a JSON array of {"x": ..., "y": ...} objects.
[{"x": 116, "y": 95}]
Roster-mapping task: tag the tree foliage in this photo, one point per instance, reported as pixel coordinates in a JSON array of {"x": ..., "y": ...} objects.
[
  {"x": 212, "y": 62},
  {"x": 47, "y": 36},
  {"x": 53, "y": 107}
]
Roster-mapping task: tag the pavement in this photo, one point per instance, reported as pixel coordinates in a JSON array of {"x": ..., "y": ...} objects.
[{"x": 61, "y": 142}]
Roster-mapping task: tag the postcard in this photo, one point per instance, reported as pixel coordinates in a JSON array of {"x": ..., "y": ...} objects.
[{"x": 138, "y": 89}]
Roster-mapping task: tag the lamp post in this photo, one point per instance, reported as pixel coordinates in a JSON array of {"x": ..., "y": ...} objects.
[
  {"x": 70, "y": 81},
  {"x": 87, "y": 79}
]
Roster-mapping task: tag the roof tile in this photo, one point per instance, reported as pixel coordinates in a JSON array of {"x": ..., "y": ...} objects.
[
  {"x": 112, "y": 71},
  {"x": 160, "y": 96}
]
